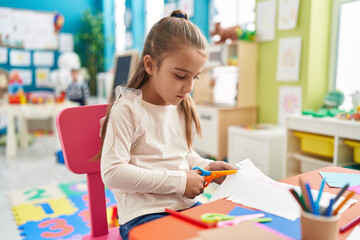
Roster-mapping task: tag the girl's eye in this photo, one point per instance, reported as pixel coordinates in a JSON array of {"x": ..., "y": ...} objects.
[
  {"x": 196, "y": 77},
  {"x": 180, "y": 77}
]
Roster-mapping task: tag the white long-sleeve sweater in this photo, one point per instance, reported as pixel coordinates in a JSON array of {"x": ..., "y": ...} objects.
[{"x": 145, "y": 157}]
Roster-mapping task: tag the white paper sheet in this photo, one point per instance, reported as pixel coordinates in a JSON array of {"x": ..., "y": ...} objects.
[
  {"x": 265, "y": 20},
  {"x": 288, "y": 14},
  {"x": 288, "y": 62},
  {"x": 252, "y": 188},
  {"x": 44, "y": 59}
]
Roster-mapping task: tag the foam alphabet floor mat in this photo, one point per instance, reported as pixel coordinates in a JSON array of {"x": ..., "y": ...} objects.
[{"x": 56, "y": 212}]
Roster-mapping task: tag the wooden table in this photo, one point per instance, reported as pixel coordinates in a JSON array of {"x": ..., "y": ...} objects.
[
  {"x": 173, "y": 228},
  {"x": 25, "y": 112}
]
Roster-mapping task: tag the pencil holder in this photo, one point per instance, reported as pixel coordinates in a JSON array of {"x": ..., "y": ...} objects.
[{"x": 319, "y": 227}]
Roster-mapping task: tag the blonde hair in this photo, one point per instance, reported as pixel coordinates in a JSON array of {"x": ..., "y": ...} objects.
[{"x": 167, "y": 35}]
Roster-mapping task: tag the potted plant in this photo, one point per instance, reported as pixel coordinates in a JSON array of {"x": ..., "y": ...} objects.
[{"x": 90, "y": 44}]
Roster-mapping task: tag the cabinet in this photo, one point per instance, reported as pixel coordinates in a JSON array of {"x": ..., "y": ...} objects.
[
  {"x": 337, "y": 130},
  {"x": 214, "y": 128},
  {"x": 216, "y": 118},
  {"x": 264, "y": 147},
  {"x": 241, "y": 54}
]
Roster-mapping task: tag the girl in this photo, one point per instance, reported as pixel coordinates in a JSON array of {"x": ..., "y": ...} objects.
[{"x": 147, "y": 134}]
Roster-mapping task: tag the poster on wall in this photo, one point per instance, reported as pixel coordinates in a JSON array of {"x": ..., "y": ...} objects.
[
  {"x": 290, "y": 101},
  {"x": 20, "y": 58},
  {"x": 288, "y": 14},
  {"x": 24, "y": 74},
  {"x": 66, "y": 42},
  {"x": 3, "y": 55},
  {"x": 44, "y": 59},
  {"x": 288, "y": 62},
  {"x": 265, "y": 20},
  {"x": 42, "y": 77}
]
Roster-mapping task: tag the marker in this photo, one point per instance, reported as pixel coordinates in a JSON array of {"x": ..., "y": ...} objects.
[
  {"x": 305, "y": 196},
  {"x": 350, "y": 225},
  {"x": 311, "y": 200},
  {"x": 261, "y": 220},
  {"x": 329, "y": 208},
  {"x": 317, "y": 203},
  {"x": 298, "y": 199},
  {"x": 341, "y": 193},
  {"x": 343, "y": 203},
  {"x": 187, "y": 218},
  {"x": 337, "y": 197}
]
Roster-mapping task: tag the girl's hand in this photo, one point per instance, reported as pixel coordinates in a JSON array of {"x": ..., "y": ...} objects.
[
  {"x": 194, "y": 184},
  {"x": 218, "y": 166}
]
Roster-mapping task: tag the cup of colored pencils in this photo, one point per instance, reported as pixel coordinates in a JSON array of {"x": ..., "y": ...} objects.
[{"x": 318, "y": 222}]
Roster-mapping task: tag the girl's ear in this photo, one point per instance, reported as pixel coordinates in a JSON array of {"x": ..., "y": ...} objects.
[{"x": 149, "y": 64}]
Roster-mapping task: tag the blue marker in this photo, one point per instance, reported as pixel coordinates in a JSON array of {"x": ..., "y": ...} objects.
[
  {"x": 317, "y": 203},
  {"x": 311, "y": 200},
  {"x": 329, "y": 209}
]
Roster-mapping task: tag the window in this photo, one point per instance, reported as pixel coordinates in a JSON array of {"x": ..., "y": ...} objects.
[
  {"x": 120, "y": 29},
  {"x": 154, "y": 12},
  {"x": 235, "y": 12},
  {"x": 344, "y": 69}
]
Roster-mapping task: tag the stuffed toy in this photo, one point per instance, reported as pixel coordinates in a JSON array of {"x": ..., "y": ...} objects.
[{"x": 224, "y": 33}]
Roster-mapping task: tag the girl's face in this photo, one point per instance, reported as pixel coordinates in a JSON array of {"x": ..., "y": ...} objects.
[{"x": 174, "y": 79}]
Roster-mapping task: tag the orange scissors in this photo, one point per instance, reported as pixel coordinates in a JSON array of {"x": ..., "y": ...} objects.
[{"x": 210, "y": 175}]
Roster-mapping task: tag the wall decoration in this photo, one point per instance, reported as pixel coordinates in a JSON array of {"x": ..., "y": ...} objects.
[
  {"x": 44, "y": 59},
  {"x": 24, "y": 74},
  {"x": 265, "y": 20},
  {"x": 3, "y": 55},
  {"x": 288, "y": 14},
  {"x": 42, "y": 77},
  {"x": 66, "y": 42},
  {"x": 19, "y": 58},
  {"x": 288, "y": 62},
  {"x": 290, "y": 101}
]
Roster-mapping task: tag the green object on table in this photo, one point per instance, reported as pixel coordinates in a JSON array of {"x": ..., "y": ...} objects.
[{"x": 261, "y": 220}]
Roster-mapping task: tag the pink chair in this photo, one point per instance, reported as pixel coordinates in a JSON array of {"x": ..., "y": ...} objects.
[{"x": 78, "y": 129}]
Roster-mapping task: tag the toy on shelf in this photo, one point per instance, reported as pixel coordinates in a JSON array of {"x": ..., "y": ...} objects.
[
  {"x": 332, "y": 101},
  {"x": 222, "y": 35},
  {"x": 16, "y": 92}
]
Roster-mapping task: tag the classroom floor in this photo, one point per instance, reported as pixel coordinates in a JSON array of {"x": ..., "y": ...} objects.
[{"x": 32, "y": 167}]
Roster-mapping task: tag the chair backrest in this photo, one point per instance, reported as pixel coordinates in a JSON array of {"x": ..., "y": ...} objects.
[{"x": 78, "y": 129}]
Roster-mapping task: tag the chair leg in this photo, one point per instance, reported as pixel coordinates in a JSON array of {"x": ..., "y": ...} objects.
[{"x": 97, "y": 205}]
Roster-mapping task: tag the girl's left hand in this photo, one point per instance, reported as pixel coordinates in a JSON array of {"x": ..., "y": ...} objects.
[{"x": 219, "y": 166}]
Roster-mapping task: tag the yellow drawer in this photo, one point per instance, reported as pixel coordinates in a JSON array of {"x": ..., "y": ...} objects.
[
  {"x": 356, "y": 146},
  {"x": 316, "y": 144}
]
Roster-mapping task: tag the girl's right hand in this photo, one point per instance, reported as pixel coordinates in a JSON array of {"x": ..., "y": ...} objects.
[{"x": 194, "y": 184}]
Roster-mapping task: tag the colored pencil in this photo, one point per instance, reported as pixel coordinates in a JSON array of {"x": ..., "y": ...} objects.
[
  {"x": 311, "y": 200},
  {"x": 303, "y": 190},
  {"x": 297, "y": 198},
  {"x": 341, "y": 193},
  {"x": 317, "y": 203},
  {"x": 350, "y": 225},
  {"x": 261, "y": 220},
  {"x": 303, "y": 202},
  {"x": 343, "y": 202},
  {"x": 329, "y": 208},
  {"x": 187, "y": 218}
]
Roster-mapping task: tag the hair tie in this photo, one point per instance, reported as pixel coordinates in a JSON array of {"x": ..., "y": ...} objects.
[{"x": 179, "y": 15}]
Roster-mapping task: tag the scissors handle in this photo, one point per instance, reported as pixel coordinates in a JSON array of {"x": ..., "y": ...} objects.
[
  {"x": 203, "y": 171},
  {"x": 210, "y": 175}
]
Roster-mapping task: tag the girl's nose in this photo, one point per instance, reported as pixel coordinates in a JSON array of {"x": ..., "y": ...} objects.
[{"x": 188, "y": 88}]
